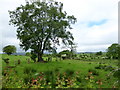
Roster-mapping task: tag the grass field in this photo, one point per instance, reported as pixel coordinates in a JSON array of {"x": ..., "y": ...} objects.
[{"x": 58, "y": 74}]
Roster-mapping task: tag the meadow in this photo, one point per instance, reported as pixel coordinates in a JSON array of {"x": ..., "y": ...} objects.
[{"x": 68, "y": 73}]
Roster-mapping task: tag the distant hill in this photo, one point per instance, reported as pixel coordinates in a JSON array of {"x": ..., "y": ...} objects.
[
  {"x": 23, "y": 53},
  {"x": 88, "y": 52},
  {"x": 85, "y": 52},
  {"x": 19, "y": 53}
]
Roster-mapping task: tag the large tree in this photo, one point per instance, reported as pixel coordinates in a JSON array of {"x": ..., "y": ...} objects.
[
  {"x": 41, "y": 26},
  {"x": 9, "y": 49}
]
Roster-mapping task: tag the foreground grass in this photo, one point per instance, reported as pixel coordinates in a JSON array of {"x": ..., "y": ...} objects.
[{"x": 22, "y": 72}]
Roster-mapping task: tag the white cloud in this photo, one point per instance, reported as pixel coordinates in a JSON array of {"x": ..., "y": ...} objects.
[
  {"x": 95, "y": 38},
  {"x": 95, "y": 10}
]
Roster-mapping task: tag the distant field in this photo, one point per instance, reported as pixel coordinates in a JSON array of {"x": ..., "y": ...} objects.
[{"x": 84, "y": 67}]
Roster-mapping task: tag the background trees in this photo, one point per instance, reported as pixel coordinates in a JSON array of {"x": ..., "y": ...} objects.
[
  {"x": 41, "y": 25},
  {"x": 28, "y": 54},
  {"x": 9, "y": 49},
  {"x": 99, "y": 53},
  {"x": 113, "y": 50},
  {"x": 68, "y": 54}
]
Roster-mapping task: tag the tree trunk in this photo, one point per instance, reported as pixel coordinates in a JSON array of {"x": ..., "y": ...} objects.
[{"x": 40, "y": 59}]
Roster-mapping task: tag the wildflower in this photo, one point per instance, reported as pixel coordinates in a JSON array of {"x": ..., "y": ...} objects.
[
  {"x": 77, "y": 72},
  {"x": 66, "y": 80},
  {"x": 32, "y": 78},
  {"x": 90, "y": 72},
  {"x": 37, "y": 74},
  {"x": 114, "y": 87},
  {"x": 41, "y": 73},
  {"x": 86, "y": 78},
  {"x": 64, "y": 73},
  {"x": 58, "y": 74},
  {"x": 91, "y": 77},
  {"x": 34, "y": 81},
  {"x": 99, "y": 82},
  {"x": 40, "y": 76}
]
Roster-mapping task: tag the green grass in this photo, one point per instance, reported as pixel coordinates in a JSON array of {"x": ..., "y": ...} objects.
[{"x": 61, "y": 66}]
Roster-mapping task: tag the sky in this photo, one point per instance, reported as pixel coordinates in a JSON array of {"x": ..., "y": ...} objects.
[{"x": 96, "y": 28}]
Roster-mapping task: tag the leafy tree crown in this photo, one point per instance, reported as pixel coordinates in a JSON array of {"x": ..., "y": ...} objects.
[
  {"x": 41, "y": 25},
  {"x": 9, "y": 49}
]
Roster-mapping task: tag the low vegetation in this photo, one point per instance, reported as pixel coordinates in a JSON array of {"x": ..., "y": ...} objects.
[{"x": 68, "y": 73}]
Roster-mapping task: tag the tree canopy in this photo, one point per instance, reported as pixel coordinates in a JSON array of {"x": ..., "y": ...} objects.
[
  {"x": 99, "y": 53},
  {"x": 69, "y": 54},
  {"x": 41, "y": 26},
  {"x": 113, "y": 51},
  {"x": 9, "y": 49}
]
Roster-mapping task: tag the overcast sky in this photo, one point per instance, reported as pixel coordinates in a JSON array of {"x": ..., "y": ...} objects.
[{"x": 95, "y": 30}]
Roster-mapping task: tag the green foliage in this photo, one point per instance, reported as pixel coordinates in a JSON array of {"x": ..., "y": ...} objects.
[
  {"x": 27, "y": 79},
  {"x": 33, "y": 56},
  {"x": 93, "y": 71},
  {"x": 29, "y": 70},
  {"x": 99, "y": 53},
  {"x": 69, "y": 72},
  {"x": 84, "y": 56},
  {"x": 40, "y": 26},
  {"x": 28, "y": 54},
  {"x": 68, "y": 54},
  {"x": 9, "y": 49},
  {"x": 6, "y": 60},
  {"x": 110, "y": 68},
  {"x": 113, "y": 50},
  {"x": 117, "y": 73},
  {"x": 105, "y": 67}
]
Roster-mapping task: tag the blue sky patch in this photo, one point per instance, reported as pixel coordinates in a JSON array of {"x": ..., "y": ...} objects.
[{"x": 93, "y": 23}]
